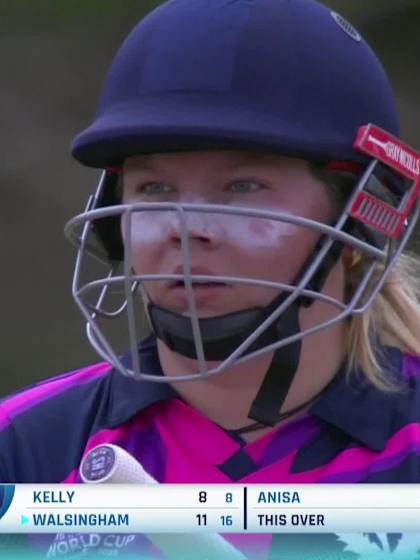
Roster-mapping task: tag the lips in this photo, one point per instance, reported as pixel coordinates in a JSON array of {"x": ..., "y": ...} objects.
[
  {"x": 197, "y": 284},
  {"x": 206, "y": 292},
  {"x": 209, "y": 294}
]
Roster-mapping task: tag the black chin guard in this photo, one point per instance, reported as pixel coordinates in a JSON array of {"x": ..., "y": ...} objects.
[{"x": 220, "y": 335}]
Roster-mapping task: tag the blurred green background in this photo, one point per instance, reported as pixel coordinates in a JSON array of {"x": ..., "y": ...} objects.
[{"x": 54, "y": 57}]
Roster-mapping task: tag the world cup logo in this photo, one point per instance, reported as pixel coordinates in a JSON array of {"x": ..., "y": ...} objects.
[{"x": 7, "y": 492}]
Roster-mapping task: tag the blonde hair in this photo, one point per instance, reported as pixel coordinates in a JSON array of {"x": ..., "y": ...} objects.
[{"x": 393, "y": 318}]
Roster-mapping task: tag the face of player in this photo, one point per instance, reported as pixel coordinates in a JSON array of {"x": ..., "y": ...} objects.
[{"x": 222, "y": 244}]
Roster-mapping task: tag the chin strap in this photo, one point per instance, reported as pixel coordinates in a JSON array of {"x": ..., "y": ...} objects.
[
  {"x": 281, "y": 371},
  {"x": 223, "y": 334},
  {"x": 284, "y": 365}
]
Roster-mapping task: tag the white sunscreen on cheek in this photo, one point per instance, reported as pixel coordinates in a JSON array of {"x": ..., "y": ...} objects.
[
  {"x": 247, "y": 233},
  {"x": 259, "y": 235},
  {"x": 150, "y": 227}
]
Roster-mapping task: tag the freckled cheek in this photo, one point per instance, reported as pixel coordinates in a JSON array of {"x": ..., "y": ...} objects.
[
  {"x": 278, "y": 250},
  {"x": 269, "y": 234}
]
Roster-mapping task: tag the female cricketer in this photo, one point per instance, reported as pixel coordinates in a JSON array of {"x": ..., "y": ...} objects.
[{"x": 255, "y": 200}]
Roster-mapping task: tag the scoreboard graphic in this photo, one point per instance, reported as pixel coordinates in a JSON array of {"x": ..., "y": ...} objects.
[{"x": 212, "y": 508}]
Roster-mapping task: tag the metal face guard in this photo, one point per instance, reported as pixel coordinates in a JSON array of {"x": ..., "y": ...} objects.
[{"x": 395, "y": 223}]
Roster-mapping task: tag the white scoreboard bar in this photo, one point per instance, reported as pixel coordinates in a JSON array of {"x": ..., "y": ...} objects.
[{"x": 211, "y": 508}]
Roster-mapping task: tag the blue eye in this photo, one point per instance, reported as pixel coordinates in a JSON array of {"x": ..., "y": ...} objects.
[
  {"x": 155, "y": 188},
  {"x": 244, "y": 187}
]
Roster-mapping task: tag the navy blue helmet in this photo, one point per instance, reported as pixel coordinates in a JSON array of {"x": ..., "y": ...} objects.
[{"x": 280, "y": 75}]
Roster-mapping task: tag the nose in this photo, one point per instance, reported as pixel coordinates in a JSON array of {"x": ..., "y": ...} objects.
[{"x": 201, "y": 228}]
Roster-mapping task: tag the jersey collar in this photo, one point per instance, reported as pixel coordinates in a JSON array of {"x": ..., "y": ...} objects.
[{"x": 358, "y": 408}]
